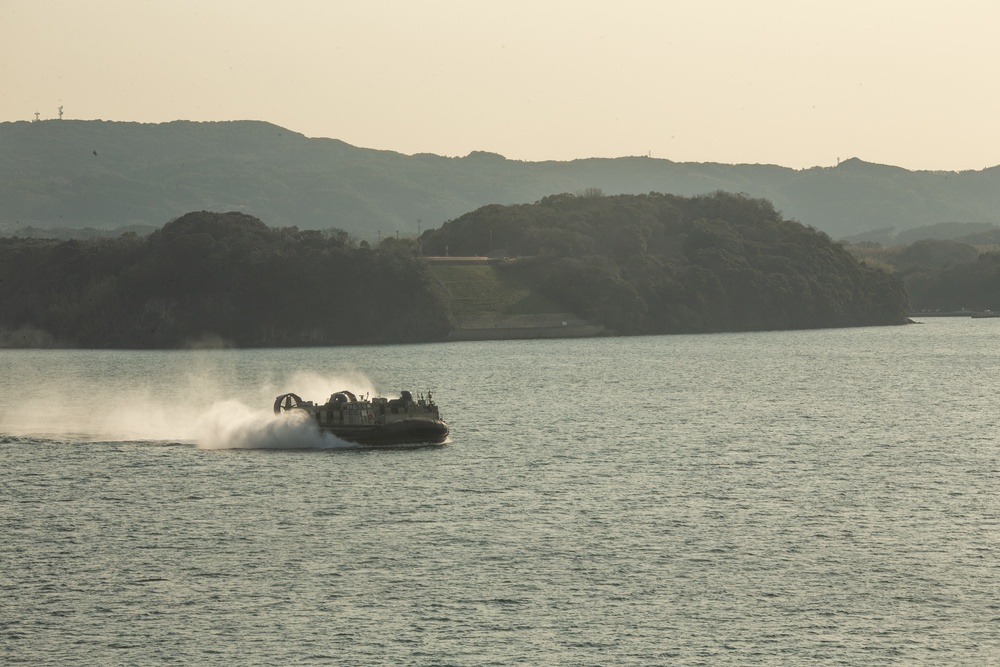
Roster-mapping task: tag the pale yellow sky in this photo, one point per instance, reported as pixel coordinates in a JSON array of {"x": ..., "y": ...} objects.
[{"x": 790, "y": 82}]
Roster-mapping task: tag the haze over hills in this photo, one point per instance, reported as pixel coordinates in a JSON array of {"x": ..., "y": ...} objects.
[{"x": 109, "y": 175}]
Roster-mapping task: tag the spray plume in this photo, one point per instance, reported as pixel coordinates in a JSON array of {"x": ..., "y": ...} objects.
[
  {"x": 232, "y": 425},
  {"x": 171, "y": 404}
]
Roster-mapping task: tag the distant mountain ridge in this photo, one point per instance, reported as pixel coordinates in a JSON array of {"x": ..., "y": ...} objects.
[{"x": 70, "y": 173}]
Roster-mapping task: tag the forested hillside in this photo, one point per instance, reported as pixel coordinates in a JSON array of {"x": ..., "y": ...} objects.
[
  {"x": 944, "y": 275},
  {"x": 666, "y": 264},
  {"x": 632, "y": 263},
  {"x": 210, "y": 278},
  {"x": 71, "y": 174}
]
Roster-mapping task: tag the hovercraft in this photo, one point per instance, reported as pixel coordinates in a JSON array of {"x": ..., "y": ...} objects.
[{"x": 376, "y": 422}]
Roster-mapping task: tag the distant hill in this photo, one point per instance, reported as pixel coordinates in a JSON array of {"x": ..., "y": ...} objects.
[
  {"x": 108, "y": 175},
  {"x": 975, "y": 233}
]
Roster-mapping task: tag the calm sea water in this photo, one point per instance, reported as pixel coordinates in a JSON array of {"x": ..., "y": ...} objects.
[{"x": 821, "y": 497}]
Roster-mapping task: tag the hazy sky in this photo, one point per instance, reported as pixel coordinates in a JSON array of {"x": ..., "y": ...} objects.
[{"x": 799, "y": 83}]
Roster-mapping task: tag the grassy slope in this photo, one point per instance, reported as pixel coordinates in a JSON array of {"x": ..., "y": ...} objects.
[{"x": 482, "y": 291}]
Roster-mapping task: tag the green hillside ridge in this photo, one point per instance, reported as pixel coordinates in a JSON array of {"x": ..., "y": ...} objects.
[{"x": 110, "y": 175}]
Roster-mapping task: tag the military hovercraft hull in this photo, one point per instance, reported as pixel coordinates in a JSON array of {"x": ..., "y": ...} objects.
[
  {"x": 412, "y": 431},
  {"x": 378, "y": 422}
]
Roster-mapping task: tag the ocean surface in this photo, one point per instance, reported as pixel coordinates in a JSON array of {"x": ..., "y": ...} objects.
[{"x": 779, "y": 498}]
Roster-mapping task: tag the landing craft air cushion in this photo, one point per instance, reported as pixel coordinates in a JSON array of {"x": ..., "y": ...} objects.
[{"x": 378, "y": 422}]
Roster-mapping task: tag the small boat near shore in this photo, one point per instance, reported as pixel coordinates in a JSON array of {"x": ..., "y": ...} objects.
[{"x": 376, "y": 422}]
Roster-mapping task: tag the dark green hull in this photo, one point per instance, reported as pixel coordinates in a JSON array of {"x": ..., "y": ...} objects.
[{"x": 412, "y": 431}]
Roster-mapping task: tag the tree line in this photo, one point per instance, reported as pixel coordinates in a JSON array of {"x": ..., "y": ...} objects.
[
  {"x": 216, "y": 276},
  {"x": 942, "y": 274},
  {"x": 639, "y": 264}
]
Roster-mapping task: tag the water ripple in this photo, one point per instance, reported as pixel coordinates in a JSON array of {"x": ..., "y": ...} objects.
[{"x": 777, "y": 498}]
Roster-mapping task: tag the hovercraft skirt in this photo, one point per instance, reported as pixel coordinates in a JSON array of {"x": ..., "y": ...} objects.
[{"x": 411, "y": 431}]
